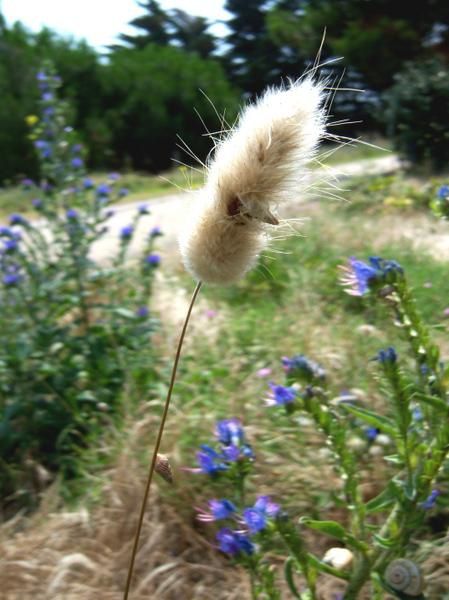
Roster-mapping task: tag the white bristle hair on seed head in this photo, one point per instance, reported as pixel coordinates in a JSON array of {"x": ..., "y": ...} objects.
[{"x": 260, "y": 163}]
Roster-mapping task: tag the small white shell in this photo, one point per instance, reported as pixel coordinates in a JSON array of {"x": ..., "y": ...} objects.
[
  {"x": 340, "y": 558},
  {"x": 163, "y": 468},
  {"x": 403, "y": 575}
]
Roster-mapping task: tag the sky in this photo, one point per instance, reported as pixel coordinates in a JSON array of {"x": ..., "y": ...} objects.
[{"x": 97, "y": 21}]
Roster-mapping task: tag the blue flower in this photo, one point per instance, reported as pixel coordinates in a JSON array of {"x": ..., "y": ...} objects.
[
  {"x": 114, "y": 176},
  {"x": 12, "y": 278},
  {"x": 300, "y": 365},
  {"x": 256, "y": 517},
  {"x": 387, "y": 356},
  {"x": 210, "y": 461},
  {"x": 443, "y": 192},
  {"x": 37, "y": 203},
  {"x": 219, "y": 510},
  {"x": 234, "y": 453},
  {"x": 10, "y": 245},
  {"x": 371, "y": 433},
  {"x": 77, "y": 162},
  {"x": 16, "y": 219},
  {"x": 143, "y": 209},
  {"x": 6, "y": 231},
  {"x": 76, "y": 148},
  {"x": 142, "y": 312},
  {"x": 360, "y": 276},
  {"x": 88, "y": 184},
  {"x": 233, "y": 542},
  {"x": 153, "y": 260},
  {"x": 229, "y": 431},
  {"x": 72, "y": 214},
  {"x": 126, "y": 232},
  {"x": 123, "y": 192},
  {"x": 47, "y": 97},
  {"x": 27, "y": 183},
  {"x": 103, "y": 190},
  {"x": 430, "y": 501},
  {"x": 280, "y": 395},
  {"x": 155, "y": 232}
]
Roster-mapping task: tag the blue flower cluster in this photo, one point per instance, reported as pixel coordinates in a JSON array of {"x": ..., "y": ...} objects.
[
  {"x": 359, "y": 277},
  {"x": 232, "y": 448},
  {"x": 253, "y": 520},
  {"x": 303, "y": 368},
  {"x": 10, "y": 269}
]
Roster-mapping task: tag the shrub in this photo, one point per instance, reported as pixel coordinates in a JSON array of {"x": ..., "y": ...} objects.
[
  {"x": 71, "y": 326},
  {"x": 416, "y": 113}
]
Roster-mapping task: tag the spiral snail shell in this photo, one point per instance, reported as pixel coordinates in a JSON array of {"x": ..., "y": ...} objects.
[{"x": 403, "y": 575}]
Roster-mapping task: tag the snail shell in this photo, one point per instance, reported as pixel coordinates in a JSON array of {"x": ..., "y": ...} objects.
[
  {"x": 163, "y": 468},
  {"x": 403, "y": 575}
]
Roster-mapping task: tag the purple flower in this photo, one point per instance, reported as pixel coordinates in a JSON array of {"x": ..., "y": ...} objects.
[
  {"x": 233, "y": 542},
  {"x": 37, "y": 203},
  {"x": 264, "y": 372},
  {"x": 280, "y": 395},
  {"x": 142, "y": 312},
  {"x": 27, "y": 183},
  {"x": 430, "y": 501},
  {"x": 72, "y": 214},
  {"x": 155, "y": 232},
  {"x": 387, "y": 356},
  {"x": 114, "y": 176},
  {"x": 443, "y": 192},
  {"x": 6, "y": 231},
  {"x": 153, "y": 260},
  {"x": 77, "y": 162},
  {"x": 256, "y": 517},
  {"x": 41, "y": 76},
  {"x": 47, "y": 97},
  {"x": 16, "y": 219},
  {"x": 143, "y": 209},
  {"x": 218, "y": 510},
  {"x": 123, "y": 192},
  {"x": 210, "y": 461},
  {"x": 126, "y": 232},
  {"x": 229, "y": 431}
]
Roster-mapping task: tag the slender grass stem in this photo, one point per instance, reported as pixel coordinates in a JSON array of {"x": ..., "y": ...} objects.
[{"x": 158, "y": 442}]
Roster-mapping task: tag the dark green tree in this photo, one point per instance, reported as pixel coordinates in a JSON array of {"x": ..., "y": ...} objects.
[
  {"x": 377, "y": 37},
  {"x": 172, "y": 27},
  {"x": 262, "y": 43}
]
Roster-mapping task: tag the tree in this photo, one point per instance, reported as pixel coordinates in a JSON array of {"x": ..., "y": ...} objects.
[
  {"x": 171, "y": 28},
  {"x": 377, "y": 37},
  {"x": 259, "y": 53}
]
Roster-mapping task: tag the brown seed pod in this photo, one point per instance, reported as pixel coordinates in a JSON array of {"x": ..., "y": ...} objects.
[
  {"x": 163, "y": 468},
  {"x": 403, "y": 575}
]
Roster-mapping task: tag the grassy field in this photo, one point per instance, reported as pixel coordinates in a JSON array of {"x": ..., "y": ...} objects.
[{"x": 290, "y": 304}]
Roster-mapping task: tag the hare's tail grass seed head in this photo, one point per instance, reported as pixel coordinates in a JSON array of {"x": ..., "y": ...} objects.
[{"x": 261, "y": 162}]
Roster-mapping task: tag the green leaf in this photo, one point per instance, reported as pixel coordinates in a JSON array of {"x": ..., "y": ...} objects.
[
  {"x": 382, "y": 423},
  {"x": 290, "y": 564},
  {"x": 331, "y": 528},
  {"x": 383, "y": 500},
  {"x": 433, "y": 401},
  {"x": 124, "y": 312},
  {"x": 384, "y": 543}
]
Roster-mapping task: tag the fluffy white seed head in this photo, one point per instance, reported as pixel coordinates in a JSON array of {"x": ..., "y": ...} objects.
[{"x": 262, "y": 162}]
